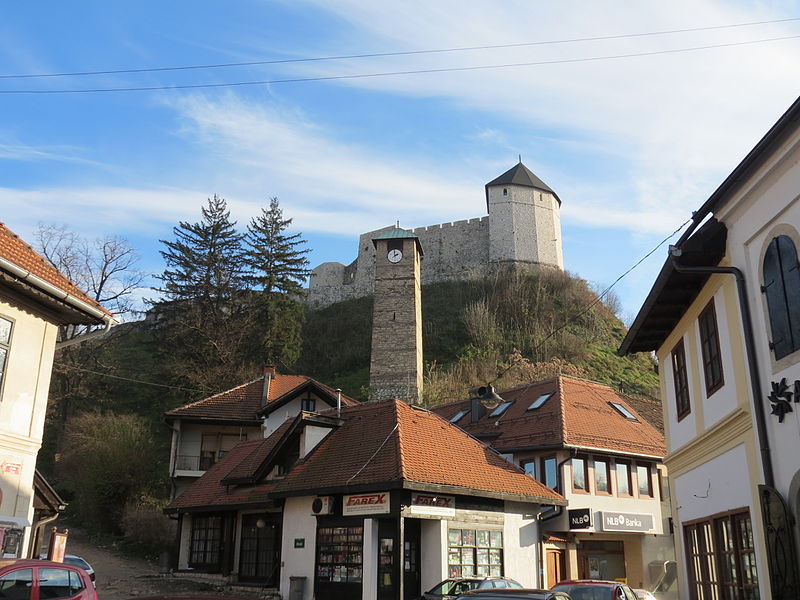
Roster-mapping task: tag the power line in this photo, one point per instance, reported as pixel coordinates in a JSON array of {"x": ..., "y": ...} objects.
[
  {"x": 390, "y": 54},
  {"x": 396, "y": 73},
  {"x": 139, "y": 381}
]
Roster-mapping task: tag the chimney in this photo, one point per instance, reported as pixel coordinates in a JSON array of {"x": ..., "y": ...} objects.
[{"x": 269, "y": 373}]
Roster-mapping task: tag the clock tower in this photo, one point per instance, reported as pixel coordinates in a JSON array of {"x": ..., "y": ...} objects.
[{"x": 396, "y": 361}]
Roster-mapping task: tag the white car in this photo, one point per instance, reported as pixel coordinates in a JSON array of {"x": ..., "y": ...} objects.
[{"x": 644, "y": 594}]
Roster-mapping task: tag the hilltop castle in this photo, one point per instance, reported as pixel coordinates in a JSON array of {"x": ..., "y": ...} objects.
[{"x": 522, "y": 230}]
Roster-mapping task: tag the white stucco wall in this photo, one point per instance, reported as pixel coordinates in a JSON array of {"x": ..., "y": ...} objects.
[
  {"x": 298, "y": 522},
  {"x": 521, "y": 543},
  {"x": 278, "y": 417},
  {"x": 433, "y": 552},
  {"x": 684, "y": 431}
]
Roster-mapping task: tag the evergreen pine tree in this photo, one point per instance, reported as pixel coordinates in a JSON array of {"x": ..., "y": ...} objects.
[{"x": 277, "y": 265}]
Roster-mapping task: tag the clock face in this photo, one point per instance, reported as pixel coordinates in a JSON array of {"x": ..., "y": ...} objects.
[{"x": 395, "y": 256}]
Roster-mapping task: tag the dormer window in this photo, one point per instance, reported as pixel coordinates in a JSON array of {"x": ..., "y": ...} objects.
[
  {"x": 623, "y": 411},
  {"x": 540, "y": 400},
  {"x": 501, "y": 409}
]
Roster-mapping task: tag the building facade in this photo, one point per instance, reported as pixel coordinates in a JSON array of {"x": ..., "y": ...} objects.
[
  {"x": 35, "y": 299},
  {"x": 588, "y": 443},
  {"x": 381, "y": 502},
  {"x": 522, "y": 230},
  {"x": 723, "y": 318}
]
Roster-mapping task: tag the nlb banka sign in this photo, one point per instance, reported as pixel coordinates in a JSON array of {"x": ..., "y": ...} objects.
[{"x": 617, "y": 521}]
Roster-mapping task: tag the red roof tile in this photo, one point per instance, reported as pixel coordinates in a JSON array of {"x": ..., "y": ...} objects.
[
  {"x": 243, "y": 402},
  {"x": 16, "y": 251},
  {"x": 577, "y": 414}
]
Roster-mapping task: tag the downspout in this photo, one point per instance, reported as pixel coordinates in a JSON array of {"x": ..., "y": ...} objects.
[
  {"x": 37, "y": 533},
  {"x": 755, "y": 378}
]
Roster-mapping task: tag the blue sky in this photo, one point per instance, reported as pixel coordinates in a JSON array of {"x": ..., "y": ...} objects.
[{"x": 631, "y": 145}]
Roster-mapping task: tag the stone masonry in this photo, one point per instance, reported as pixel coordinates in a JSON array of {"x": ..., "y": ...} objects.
[{"x": 522, "y": 230}]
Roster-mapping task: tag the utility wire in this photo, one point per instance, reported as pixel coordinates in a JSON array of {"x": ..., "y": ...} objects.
[
  {"x": 396, "y": 73},
  {"x": 139, "y": 381},
  {"x": 399, "y": 53},
  {"x": 599, "y": 297}
]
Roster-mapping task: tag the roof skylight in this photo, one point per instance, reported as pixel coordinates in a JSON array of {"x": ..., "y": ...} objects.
[
  {"x": 458, "y": 415},
  {"x": 540, "y": 400},
  {"x": 501, "y": 409},
  {"x": 624, "y": 411}
]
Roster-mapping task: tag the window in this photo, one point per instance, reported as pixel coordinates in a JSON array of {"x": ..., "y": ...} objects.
[
  {"x": 782, "y": 288},
  {"x": 501, "y": 409},
  {"x": 529, "y": 467},
  {"x": 580, "y": 482},
  {"x": 540, "y": 400},
  {"x": 309, "y": 403},
  {"x": 340, "y": 554},
  {"x": 681, "y": 381},
  {"x": 709, "y": 346},
  {"x": 17, "y": 584},
  {"x": 474, "y": 553},
  {"x": 206, "y": 541},
  {"x": 644, "y": 481},
  {"x": 550, "y": 472},
  {"x": 601, "y": 478},
  {"x": 721, "y": 557},
  {"x": 623, "y": 411},
  {"x": 457, "y": 417},
  {"x": 58, "y": 583},
  {"x": 623, "y": 479},
  {"x": 5, "y": 342},
  {"x": 505, "y": 191}
]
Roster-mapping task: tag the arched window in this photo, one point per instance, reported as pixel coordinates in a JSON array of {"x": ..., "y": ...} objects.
[{"x": 782, "y": 287}]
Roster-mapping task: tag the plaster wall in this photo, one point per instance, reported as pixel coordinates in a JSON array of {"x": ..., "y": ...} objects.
[
  {"x": 520, "y": 538},
  {"x": 680, "y": 431},
  {"x": 184, "y": 541},
  {"x": 433, "y": 550},
  {"x": 298, "y": 522},
  {"x": 278, "y": 417}
]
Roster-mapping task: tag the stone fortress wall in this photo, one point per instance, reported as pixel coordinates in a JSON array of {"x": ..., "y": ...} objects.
[{"x": 523, "y": 228}]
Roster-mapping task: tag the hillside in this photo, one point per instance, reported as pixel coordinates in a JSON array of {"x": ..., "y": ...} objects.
[{"x": 475, "y": 331}]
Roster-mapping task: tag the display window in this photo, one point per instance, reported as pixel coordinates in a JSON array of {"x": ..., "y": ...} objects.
[
  {"x": 340, "y": 554},
  {"x": 475, "y": 553}
]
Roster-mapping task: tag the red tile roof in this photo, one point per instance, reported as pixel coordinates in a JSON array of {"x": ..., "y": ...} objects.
[
  {"x": 16, "y": 251},
  {"x": 243, "y": 403},
  {"x": 389, "y": 442},
  {"x": 578, "y": 414}
]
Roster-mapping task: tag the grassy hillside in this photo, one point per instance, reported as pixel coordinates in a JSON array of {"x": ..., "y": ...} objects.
[{"x": 518, "y": 327}]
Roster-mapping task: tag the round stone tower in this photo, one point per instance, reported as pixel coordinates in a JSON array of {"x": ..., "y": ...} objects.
[{"x": 524, "y": 221}]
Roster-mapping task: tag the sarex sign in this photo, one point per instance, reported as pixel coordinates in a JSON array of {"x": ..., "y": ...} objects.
[{"x": 366, "y": 504}]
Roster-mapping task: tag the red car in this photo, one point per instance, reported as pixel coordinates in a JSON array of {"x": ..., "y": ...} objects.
[
  {"x": 25, "y": 579},
  {"x": 595, "y": 589}
]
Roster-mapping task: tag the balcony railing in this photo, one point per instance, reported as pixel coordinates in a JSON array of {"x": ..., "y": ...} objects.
[{"x": 186, "y": 462}]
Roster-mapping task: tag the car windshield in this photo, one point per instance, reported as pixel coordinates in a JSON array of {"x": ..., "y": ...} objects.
[
  {"x": 587, "y": 592},
  {"x": 77, "y": 561},
  {"x": 453, "y": 587}
]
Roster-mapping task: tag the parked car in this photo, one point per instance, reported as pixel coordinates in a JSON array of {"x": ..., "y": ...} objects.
[
  {"x": 595, "y": 589},
  {"x": 514, "y": 594},
  {"x": 77, "y": 561},
  {"x": 643, "y": 594},
  {"x": 28, "y": 579},
  {"x": 455, "y": 586}
]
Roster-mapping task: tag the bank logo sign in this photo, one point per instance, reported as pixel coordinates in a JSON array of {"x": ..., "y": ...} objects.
[
  {"x": 366, "y": 504},
  {"x": 617, "y": 521},
  {"x": 580, "y": 518},
  {"x": 433, "y": 504}
]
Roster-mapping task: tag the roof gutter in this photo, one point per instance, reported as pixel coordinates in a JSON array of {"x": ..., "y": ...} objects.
[
  {"x": 56, "y": 292},
  {"x": 755, "y": 377}
]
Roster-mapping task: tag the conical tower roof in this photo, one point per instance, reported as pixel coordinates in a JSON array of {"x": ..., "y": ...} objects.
[{"x": 521, "y": 175}]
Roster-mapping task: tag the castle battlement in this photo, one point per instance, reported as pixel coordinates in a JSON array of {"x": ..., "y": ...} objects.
[{"x": 523, "y": 229}]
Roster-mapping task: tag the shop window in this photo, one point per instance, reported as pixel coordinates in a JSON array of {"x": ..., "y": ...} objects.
[
  {"x": 340, "y": 554},
  {"x": 709, "y": 347},
  {"x": 623, "y": 471},
  {"x": 721, "y": 558},
  {"x": 680, "y": 380},
  {"x": 601, "y": 476},
  {"x": 475, "y": 553},
  {"x": 17, "y": 585},
  {"x": 645, "y": 481},
  {"x": 206, "y": 544},
  {"x": 529, "y": 466},
  {"x": 550, "y": 472},
  {"x": 6, "y": 327},
  {"x": 580, "y": 482},
  {"x": 782, "y": 288}
]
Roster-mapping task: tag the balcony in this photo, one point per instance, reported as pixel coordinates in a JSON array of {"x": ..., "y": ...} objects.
[{"x": 194, "y": 463}]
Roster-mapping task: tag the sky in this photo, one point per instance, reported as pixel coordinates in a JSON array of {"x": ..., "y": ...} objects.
[{"x": 631, "y": 126}]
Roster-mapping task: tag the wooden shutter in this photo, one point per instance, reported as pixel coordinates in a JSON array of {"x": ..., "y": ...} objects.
[{"x": 782, "y": 287}]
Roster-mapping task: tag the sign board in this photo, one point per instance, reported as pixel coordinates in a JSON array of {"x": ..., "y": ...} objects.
[
  {"x": 617, "y": 521},
  {"x": 433, "y": 504},
  {"x": 58, "y": 546},
  {"x": 580, "y": 518},
  {"x": 366, "y": 504},
  {"x": 299, "y": 542}
]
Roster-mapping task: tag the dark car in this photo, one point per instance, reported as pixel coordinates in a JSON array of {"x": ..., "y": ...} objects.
[
  {"x": 595, "y": 589},
  {"x": 28, "y": 579},
  {"x": 515, "y": 594},
  {"x": 455, "y": 586}
]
